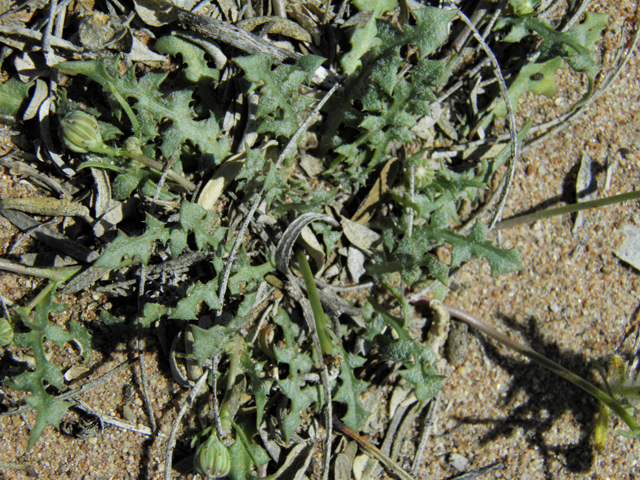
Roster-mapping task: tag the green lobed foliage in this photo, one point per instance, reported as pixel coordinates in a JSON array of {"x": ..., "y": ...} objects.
[
  {"x": 382, "y": 99},
  {"x": 573, "y": 48},
  {"x": 378, "y": 103},
  {"x": 49, "y": 409}
]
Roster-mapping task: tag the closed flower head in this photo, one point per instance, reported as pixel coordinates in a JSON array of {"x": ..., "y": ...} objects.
[{"x": 80, "y": 133}]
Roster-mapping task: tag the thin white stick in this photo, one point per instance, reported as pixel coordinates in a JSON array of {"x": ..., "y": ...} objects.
[
  {"x": 171, "y": 443},
  {"x": 513, "y": 129}
]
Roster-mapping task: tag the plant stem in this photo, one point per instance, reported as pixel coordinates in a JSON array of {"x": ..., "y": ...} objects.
[
  {"x": 175, "y": 176},
  {"x": 390, "y": 320},
  {"x": 588, "y": 387},
  {"x": 576, "y": 207},
  {"x": 60, "y": 274},
  {"x": 38, "y": 298},
  {"x": 316, "y": 306},
  {"x": 234, "y": 362}
]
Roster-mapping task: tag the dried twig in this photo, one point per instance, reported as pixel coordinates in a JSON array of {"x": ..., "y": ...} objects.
[
  {"x": 372, "y": 450},
  {"x": 37, "y": 36},
  {"x": 427, "y": 426},
  {"x": 143, "y": 382},
  {"x": 163, "y": 178},
  {"x": 46, "y": 38},
  {"x": 116, "y": 422},
  {"x": 513, "y": 129},
  {"x": 232, "y": 35},
  {"x": 394, "y": 435},
  {"x": 50, "y": 237},
  {"x": 214, "y": 390},
  {"x": 479, "y": 472},
  {"x": 171, "y": 443},
  {"x": 22, "y": 168}
]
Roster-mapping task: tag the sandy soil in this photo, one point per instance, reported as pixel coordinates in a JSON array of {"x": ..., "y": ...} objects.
[{"x": 574, "y": 301}]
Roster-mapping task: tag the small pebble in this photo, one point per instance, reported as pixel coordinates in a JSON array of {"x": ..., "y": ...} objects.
[
  {"x": 458, "y": 462},
  {"x": 128, "y": 414}
]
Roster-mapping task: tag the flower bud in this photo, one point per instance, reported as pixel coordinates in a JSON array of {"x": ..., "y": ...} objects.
[
  {"x": 80, "y": 133},
  {"x": 132, "y": 145},
  {"x": 212, "y": 459},
  {"x": 424, "y": 172},
  {"x": 522, "y": 7}
]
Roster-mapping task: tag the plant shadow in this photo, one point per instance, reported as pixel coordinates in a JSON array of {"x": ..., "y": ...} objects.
[
  {"x": 548, "y": 397},
  {"x": 568, "y": 193}
]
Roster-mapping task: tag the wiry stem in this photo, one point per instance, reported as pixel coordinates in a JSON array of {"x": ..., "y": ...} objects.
[
  {"x": 588, "y": 387},
  {"x": 576, "y": 207},
  {"x": 175, "y": 176}
]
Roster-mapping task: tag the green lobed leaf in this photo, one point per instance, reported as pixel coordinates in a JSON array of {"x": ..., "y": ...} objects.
[
  {"x": 418, "y": 361},
  {"x": 203, "y": 223},
  {"x": 308, "y": 202},
  {"x": 196, "y": 71},
  {"x": 362, "y": 40},
  {"x": 260, "y": 384},
  {"x": 178, "y": 241},
  {"x": 245, "y": 309},
  {"x": 254, "y": 165},
  {"x": 274, "y": 184},
  {"x": 412, "y": 250},
  {"x": 292, "y": 387},
  {"x": 393, "y": 102},
  {"x": 187, "y": 308},
  {"x": 574, "y": 48},
  {"x": 208, "y": 343},
  {"x": 245, "y": 453},
  {"x": 350, "y": 390},
  {"x": 281, "y": 102},
  {"x": 300, "y": 400},
  {"x": 154, "y": 108},
  {"x": 50, "y": 409},
  {"x": 424, "y": 379},
  {"x": 247, "y": 275},
  {"x": 139, "y": 247},
  {"x": 428, "y": 34},
  {"x": 152, "y": 312},
  {"x": 125, "y": 183}
]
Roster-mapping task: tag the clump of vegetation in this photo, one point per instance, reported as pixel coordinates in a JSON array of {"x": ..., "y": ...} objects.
[{"x": 232, "y": 165}]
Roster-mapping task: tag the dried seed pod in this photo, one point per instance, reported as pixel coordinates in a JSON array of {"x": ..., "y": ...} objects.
[
  {"x": 6, "y": 332},
  {"x": 265, "y": 340},
  {"x": 80, "y": 133},
  {"x": 212, "y": 459},
  {"x": 617, "y": 371}
]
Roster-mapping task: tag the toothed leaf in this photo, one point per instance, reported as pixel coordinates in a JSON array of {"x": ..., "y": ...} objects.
[
  {"x": 187, "y": 308},
  {"x": 140, "y": 247}
]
